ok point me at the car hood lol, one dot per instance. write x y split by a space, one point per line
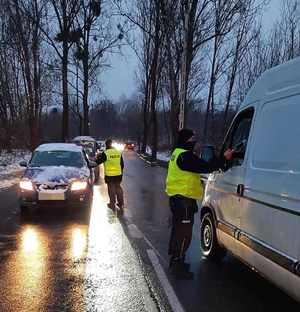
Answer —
56 174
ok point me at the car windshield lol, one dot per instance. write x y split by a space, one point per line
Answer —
57 158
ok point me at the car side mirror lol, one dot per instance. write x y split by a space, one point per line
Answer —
92 164
23 163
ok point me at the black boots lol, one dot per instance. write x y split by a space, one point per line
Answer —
120 209
111 206
180 269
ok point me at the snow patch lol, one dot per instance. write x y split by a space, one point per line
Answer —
83 138
10 170
57 174
165 155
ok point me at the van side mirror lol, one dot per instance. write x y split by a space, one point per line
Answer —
23 163
240 147
208 153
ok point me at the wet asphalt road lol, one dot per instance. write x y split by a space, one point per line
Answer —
66 260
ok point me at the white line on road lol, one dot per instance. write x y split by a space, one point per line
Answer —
170 293
156 251
134 231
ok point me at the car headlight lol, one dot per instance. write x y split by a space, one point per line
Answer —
26 185
78 186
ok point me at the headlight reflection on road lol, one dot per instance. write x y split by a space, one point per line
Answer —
99 227
31 264
102 255
115 280
30 241
78 243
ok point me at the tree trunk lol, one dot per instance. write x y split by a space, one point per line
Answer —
153 82
211 91
65 118
86 128
145 117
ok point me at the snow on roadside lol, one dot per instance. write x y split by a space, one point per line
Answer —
10 170
165 156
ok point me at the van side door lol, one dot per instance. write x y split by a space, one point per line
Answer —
228 185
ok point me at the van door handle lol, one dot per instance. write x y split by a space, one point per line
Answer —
240 189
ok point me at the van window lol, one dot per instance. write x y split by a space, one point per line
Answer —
276 139
237 138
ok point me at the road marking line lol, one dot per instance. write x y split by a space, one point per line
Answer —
132 226
170 293
128 213
134 231
156 251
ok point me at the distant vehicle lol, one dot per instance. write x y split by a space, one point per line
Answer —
57 174
251 205
92 149
129 146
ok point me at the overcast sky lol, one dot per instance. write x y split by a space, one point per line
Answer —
120 81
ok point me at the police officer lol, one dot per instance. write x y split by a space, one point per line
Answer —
113 170
184 188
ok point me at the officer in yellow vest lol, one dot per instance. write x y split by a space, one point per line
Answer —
113 171
184 188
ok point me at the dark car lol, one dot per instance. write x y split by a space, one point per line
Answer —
129 146
92 150
57 174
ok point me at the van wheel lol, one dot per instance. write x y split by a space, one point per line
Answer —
209 244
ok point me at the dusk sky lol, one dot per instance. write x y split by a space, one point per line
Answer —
120 80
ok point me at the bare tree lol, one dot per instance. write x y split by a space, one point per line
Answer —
96 38
26 38
62 19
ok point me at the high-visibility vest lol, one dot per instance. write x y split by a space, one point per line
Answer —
181 182
112 165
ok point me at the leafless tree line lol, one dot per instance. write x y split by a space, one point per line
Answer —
200 55
51 53
203 56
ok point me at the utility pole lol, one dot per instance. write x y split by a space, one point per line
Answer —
183 75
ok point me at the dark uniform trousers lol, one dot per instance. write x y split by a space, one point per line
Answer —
115 191
183 210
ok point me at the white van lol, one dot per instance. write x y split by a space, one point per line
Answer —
251 206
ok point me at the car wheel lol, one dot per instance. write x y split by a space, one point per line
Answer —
209 243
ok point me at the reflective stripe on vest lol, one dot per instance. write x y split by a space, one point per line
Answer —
181 182
112 165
